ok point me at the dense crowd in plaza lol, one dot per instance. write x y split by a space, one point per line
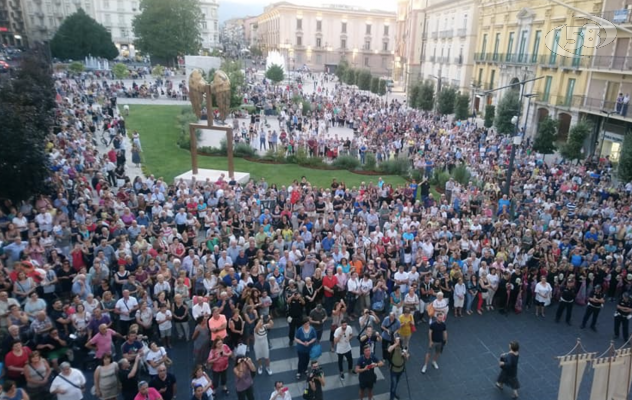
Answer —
110 270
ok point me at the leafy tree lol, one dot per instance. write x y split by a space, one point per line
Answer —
382 88
341 69
26 111
508 107
364 80
275 73
462 106
350 76
446 100
544 142
255 51
120 71
490 113
158 71
33 88
236 76
413 96
625 160
166 28
76 67
572 149
425 99
375 85
80 36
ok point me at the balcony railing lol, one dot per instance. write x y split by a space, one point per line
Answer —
434 35
461 32
447 33
581 102
621 16
458 60
424 36
431 59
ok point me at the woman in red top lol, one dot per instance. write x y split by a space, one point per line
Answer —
329 281
218 359
15 360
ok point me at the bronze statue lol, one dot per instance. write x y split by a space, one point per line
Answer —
220 87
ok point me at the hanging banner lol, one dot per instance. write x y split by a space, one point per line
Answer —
605 377
622 376
573 368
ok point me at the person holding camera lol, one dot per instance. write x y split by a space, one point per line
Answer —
389 326
365 368
315 382
398 357
342 340
509 369
280 392
369 338
262 350
437 339
244 370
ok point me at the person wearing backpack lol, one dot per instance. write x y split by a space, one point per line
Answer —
398 357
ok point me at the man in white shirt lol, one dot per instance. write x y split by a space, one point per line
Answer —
280 392
200 308
163 319
366 285
126 308
69 384
353 292
342 341
401 279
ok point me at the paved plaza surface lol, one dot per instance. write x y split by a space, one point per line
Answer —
467 369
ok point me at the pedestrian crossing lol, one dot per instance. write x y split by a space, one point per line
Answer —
284 365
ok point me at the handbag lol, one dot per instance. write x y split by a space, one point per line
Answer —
315 352
413 328
378 306
431 310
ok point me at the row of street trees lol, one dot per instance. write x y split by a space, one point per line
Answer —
362 78
164 29
449 101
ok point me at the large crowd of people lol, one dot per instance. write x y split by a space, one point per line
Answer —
111 270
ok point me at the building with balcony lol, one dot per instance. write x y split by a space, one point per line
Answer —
608 74
43 18
12 25
251 25
448 40
409 29
515 43
117 17
320 37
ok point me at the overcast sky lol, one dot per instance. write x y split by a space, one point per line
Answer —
240 8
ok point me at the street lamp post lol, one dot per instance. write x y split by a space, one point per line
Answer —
603 132
526 118
515 120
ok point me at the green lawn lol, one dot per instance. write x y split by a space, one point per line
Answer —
162 157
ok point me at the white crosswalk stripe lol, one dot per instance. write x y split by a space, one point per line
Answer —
288 364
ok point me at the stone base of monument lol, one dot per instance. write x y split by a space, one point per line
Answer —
212 175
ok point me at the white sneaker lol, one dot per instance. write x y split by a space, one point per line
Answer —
268 370
423 369
434 364
260 370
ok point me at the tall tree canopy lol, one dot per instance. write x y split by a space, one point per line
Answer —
80 36
544 142
507 108
26 112
275 73
166 28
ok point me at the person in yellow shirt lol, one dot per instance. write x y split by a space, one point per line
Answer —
407 322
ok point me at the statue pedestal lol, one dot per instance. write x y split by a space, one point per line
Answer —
212 175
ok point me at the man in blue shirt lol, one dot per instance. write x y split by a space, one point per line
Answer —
181 220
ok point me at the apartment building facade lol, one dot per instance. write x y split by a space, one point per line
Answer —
43 18
518 41
320 37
